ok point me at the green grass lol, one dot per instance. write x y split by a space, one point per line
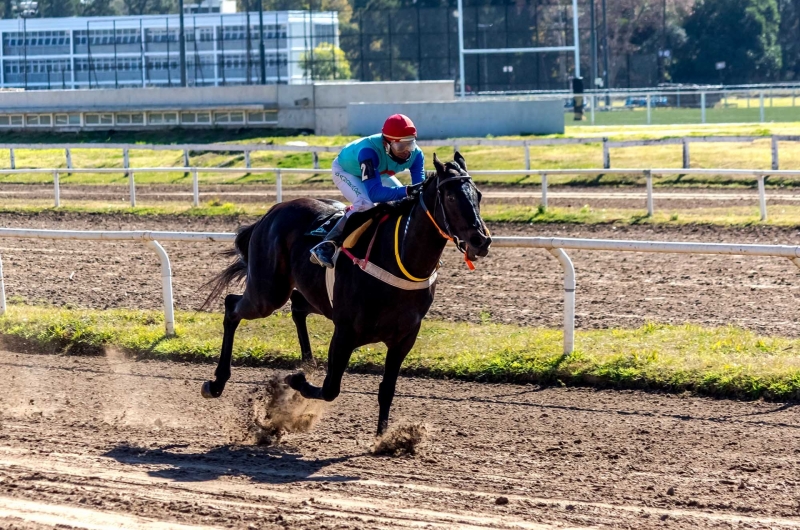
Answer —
675 116
722 361
751 156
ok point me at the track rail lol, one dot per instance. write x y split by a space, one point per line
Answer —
555 246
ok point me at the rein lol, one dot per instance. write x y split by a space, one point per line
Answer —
414 283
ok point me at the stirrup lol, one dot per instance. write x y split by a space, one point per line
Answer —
316 259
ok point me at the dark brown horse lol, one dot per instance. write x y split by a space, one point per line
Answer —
274 260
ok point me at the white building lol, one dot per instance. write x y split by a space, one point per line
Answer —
108 52
210 6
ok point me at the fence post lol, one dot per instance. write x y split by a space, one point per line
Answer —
186 161
606 155
56 189
195 188
247 163
527 159
686 161
544 190
68 154
648 175
761 105
702 107
775 159
132 188
592 103
166 287
13 158
647 99
126 159
315 157
569 298
762 197
2 290
278 186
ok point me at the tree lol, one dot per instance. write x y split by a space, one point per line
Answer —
325 63
741 33
150 7
57 8
97 8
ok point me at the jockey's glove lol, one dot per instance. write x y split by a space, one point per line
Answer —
414 190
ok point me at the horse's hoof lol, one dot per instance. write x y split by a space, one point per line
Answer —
206 392
295 381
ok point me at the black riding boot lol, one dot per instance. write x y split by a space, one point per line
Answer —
323 253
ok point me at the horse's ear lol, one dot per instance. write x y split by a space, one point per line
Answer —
438 165
460 160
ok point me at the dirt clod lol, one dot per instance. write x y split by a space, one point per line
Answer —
403 439
671 491
501 501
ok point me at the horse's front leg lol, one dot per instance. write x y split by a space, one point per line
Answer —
394 360
341 348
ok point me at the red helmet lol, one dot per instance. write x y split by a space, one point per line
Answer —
398 126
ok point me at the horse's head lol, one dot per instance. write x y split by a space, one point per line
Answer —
458 207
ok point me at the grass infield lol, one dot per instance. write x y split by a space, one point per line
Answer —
755 155
724 362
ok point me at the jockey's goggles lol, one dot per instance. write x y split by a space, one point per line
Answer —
403 147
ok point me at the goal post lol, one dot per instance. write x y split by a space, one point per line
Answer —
575 48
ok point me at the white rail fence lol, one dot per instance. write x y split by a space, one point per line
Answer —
150 238
556 246
760 175
248 149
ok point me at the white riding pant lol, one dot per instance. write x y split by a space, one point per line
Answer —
354 189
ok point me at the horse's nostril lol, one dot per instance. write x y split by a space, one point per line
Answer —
476 241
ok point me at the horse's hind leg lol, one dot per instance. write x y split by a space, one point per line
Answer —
237 308
300 311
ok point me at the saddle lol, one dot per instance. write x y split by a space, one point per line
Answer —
357 224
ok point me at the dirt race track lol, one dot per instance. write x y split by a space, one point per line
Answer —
104 442
511 286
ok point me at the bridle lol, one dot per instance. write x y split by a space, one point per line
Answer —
447 233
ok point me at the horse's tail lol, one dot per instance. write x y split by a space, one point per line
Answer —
236 272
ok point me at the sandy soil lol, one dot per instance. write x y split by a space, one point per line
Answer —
511 286
105 442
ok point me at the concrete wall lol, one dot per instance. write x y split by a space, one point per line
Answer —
452 119
138 98
321 107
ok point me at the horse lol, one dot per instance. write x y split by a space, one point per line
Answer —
406 244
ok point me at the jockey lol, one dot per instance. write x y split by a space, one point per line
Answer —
364 173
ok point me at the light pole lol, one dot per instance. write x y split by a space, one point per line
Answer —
262 54
182 39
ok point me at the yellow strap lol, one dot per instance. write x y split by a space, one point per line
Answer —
397 253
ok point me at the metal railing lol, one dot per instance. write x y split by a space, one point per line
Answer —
648 174
247 150
151 238
556 246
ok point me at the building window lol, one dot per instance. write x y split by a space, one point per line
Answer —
38 120
262 117
14 120
68 119
99 119
163 118
130 119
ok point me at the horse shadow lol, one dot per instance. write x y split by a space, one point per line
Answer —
268 465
